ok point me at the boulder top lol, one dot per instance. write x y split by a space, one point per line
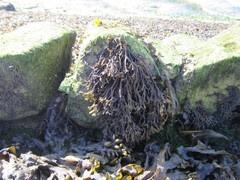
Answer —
30 36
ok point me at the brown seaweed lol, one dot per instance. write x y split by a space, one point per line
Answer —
125 96
196 162
224 115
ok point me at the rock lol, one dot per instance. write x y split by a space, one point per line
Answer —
7 6
172 50
95 41
33 62
211 79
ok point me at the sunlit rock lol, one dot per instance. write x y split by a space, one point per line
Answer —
33 61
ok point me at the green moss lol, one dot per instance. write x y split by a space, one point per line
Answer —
172 50
41 62
217 66
28 37
210 80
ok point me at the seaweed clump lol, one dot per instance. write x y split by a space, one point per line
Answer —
125 97
224 115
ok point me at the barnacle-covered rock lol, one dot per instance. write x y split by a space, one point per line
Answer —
33 62
118 84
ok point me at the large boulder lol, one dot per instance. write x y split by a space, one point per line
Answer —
208 85
201 68
33 62
205 75
75 84
215 68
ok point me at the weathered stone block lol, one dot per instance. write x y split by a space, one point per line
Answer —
215 68
33 62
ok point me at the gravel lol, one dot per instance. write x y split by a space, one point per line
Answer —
144 27
155 28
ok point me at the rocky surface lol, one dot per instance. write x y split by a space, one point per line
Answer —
33 61
205 74
214 70
172 51
66 151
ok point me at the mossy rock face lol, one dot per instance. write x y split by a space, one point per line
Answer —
96 40
33 62
214 68
172 51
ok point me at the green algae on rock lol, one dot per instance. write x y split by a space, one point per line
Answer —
33 62
216 67
172 50
213 76
92 46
